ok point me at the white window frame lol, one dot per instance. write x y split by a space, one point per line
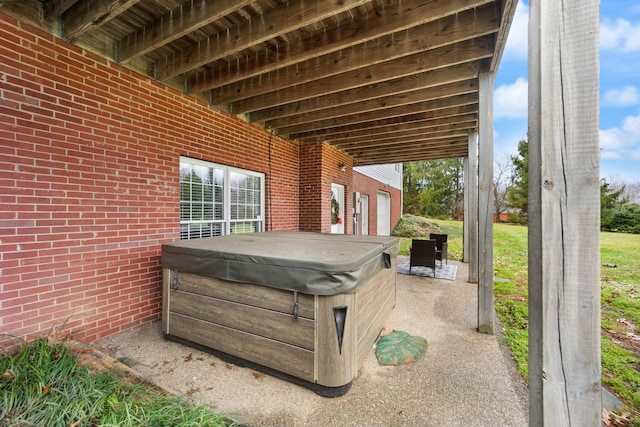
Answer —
228 225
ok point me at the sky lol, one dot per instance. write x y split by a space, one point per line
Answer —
619 90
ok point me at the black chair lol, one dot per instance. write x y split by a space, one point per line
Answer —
423 253
441 247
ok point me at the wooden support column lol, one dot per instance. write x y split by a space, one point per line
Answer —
564 213
471 216
485 204
465 211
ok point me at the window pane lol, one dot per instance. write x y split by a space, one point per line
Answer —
202 200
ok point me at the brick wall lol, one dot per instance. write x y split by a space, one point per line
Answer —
318 170
89 170
370 187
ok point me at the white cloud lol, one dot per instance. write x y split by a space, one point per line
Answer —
510 100
622 142
624 97
517 45
620 35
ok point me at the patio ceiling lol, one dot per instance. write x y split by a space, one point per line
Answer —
384 80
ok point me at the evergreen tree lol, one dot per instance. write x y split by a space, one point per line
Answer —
518 193
610 201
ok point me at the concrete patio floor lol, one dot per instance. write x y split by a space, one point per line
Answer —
465 379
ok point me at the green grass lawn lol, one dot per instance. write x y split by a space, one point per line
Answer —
620 296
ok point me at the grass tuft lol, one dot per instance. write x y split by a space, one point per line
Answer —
43 385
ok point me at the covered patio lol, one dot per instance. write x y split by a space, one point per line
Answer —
465 378
111 93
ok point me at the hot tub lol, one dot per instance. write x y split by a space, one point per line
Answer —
306 307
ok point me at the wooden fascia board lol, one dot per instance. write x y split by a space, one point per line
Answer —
275 22
376 24
507 13
372 105
427 79
410 52
175 24
86 15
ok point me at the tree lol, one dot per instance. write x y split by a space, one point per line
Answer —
633 192
610 199
630 191
518 192
433 189
501 186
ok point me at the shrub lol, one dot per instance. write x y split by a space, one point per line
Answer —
414 226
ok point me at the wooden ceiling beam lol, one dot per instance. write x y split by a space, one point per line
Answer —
444 141
410 52
405 157
468 120
425 106
439 140
395 87
455 144
86 15
275 22
442 57
330 133
378 23
408 98
55 8
175 24
456 128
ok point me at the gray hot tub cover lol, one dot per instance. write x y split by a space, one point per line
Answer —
312 263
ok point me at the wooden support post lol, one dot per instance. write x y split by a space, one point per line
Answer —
471 220
485 204
564 199
465 212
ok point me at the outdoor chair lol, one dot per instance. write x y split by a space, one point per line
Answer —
423 253
441 247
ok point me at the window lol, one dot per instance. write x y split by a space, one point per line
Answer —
217 200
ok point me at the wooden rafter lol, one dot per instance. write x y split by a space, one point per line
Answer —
174 25
420 154
278 21
447 43
423 106
425 126
441 57
385 103
333 134
413 148
87 15
420 81
412 134
378 23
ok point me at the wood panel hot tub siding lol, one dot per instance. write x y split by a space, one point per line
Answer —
256 323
